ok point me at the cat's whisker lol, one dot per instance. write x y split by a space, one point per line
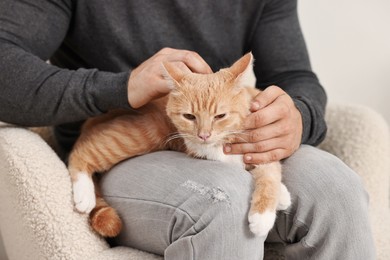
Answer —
176 136
169 139
242 139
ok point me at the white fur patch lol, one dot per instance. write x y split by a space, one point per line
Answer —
284 199
84 193
215 153
261 223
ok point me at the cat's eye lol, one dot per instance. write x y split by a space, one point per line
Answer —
190 117
220 116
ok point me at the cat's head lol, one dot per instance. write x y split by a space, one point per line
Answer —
209 108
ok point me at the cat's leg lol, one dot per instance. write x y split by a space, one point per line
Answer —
83 164
92 153
87 199
265 198
284 199
83 190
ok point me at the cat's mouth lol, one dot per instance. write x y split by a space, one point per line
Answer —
206 142
214 140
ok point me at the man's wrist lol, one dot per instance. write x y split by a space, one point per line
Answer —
109 90
305 118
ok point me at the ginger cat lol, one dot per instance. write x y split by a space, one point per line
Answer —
201 113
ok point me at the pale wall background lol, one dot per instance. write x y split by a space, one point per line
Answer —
349 46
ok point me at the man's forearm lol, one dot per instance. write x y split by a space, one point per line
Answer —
34 93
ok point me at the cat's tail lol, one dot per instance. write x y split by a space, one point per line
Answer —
104 219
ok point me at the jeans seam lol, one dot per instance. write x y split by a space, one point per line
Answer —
193 248
157 202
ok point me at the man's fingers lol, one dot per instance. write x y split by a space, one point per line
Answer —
276 129
266 97
266 157
262 146
147 81
193 61
166 50
181 66
190 58
265 116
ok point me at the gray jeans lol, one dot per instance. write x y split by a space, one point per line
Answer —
186 208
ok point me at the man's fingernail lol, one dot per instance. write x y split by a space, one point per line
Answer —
255 105
228 149
248 158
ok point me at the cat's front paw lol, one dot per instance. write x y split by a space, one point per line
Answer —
261 223
284 199
84 194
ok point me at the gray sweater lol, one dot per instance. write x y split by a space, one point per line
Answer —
94 44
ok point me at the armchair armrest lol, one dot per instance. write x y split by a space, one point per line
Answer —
37 219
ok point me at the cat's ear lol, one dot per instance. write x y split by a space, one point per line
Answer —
172 74
242 68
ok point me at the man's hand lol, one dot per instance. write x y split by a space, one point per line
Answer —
147 82
274 129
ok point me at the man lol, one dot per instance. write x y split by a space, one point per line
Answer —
108 55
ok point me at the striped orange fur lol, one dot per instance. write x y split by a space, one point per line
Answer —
206 110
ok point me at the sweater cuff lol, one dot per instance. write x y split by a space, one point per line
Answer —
306 118
110 90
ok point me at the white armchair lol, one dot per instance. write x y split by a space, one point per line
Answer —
37 220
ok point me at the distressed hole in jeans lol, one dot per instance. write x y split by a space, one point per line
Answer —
215 194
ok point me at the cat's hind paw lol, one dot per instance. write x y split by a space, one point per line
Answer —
284 199
84 194
261 223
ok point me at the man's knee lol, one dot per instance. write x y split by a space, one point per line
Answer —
323 181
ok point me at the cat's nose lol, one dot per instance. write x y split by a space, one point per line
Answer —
204 136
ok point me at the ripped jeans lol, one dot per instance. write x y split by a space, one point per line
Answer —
191 209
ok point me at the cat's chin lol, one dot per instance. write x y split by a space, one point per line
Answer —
207 143
211 142
196 146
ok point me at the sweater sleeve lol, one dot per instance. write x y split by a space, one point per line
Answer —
281 59
35 93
